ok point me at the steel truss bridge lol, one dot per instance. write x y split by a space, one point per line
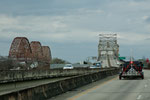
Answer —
108 50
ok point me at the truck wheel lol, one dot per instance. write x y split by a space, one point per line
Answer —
119 77
142 76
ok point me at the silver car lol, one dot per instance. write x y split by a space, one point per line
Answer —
68 66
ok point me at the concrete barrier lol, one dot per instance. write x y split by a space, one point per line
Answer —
46 91
22 75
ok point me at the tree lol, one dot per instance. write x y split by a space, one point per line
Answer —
5 63
58 61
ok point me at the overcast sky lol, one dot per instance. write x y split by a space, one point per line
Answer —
71 27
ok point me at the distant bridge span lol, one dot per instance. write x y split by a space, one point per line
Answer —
108 50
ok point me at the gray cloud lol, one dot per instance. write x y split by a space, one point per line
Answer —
147 20
147 39
75 23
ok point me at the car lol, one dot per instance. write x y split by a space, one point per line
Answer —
96 65
93 66
68 66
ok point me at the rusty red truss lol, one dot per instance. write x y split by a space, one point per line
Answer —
37 52
46 54
20 49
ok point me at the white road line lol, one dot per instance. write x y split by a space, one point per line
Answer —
139 97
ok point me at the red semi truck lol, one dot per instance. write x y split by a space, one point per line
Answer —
131 69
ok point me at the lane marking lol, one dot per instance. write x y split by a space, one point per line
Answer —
91 89
139 97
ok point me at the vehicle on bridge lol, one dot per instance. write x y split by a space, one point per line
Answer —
131 69
96 65
68 66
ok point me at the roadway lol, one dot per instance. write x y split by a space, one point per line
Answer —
108 56
104 59
112 88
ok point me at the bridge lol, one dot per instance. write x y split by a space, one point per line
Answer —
108 50
43 84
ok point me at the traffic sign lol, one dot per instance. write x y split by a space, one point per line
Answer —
122 58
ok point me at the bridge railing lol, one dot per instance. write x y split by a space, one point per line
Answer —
23 75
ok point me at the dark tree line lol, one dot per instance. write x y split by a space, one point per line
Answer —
5 63
8 64
59 61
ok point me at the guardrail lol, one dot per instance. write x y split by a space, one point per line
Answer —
46 91
22 75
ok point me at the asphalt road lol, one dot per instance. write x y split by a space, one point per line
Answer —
112 88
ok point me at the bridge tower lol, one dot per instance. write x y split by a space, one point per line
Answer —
108 45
